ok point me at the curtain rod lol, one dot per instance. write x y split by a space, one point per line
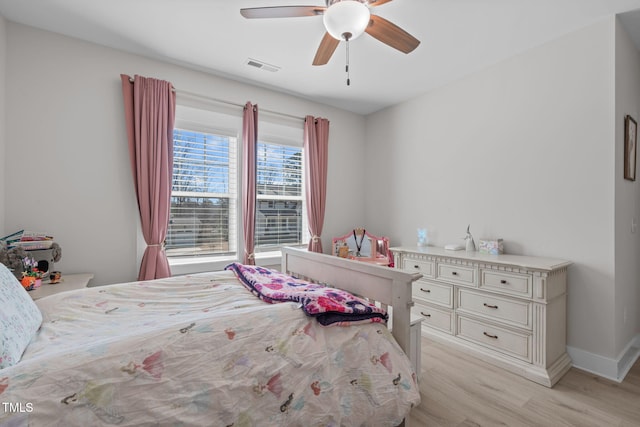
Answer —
233 104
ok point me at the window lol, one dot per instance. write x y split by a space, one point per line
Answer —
205 223
279 194
203 196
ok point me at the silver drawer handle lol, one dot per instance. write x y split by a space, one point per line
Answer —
425 290
425 314
495 337
490 306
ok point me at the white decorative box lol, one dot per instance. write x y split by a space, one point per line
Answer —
491 246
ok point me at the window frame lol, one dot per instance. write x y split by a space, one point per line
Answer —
234 184
304 232
232 126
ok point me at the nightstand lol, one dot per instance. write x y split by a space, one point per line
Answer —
69 282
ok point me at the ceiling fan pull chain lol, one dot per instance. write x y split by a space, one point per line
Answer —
347 66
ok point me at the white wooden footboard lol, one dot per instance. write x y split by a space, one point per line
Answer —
382 284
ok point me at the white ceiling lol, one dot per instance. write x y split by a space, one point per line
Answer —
458 38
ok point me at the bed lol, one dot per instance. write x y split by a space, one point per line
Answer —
202 350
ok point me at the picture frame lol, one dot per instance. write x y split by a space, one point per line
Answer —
630 147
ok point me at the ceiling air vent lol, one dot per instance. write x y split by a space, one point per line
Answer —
262 65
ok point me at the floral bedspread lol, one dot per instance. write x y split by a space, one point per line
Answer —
329 306
200 350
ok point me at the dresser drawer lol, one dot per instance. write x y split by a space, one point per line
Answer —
426 268
457 274
435 293
507 310
434 318
507 283
516 344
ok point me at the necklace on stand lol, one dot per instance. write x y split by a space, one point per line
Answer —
355 239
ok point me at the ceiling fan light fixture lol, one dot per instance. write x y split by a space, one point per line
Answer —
347 19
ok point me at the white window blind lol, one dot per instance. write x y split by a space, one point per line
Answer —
279 196
203 218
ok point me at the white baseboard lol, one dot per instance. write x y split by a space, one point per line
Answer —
614 369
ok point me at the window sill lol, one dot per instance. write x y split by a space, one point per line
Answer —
182 266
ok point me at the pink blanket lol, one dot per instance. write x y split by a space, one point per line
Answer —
329 305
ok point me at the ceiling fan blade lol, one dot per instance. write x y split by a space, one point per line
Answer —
327 46
377 2
392 35
282 11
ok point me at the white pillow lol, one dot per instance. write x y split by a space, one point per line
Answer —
20 318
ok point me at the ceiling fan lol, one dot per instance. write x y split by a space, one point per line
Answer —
343 20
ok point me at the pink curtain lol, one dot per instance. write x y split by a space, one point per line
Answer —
150 107
249 141
316 152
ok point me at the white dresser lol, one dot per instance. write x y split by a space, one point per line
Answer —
508 310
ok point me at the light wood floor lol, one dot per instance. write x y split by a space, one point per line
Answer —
458 390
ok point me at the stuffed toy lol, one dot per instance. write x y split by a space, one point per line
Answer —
13 257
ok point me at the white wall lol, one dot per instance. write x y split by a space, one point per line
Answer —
627 202
3 160
66 139
523 150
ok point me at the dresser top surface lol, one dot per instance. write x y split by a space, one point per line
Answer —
530 262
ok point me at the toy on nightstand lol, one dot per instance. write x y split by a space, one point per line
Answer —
38 247
55 277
